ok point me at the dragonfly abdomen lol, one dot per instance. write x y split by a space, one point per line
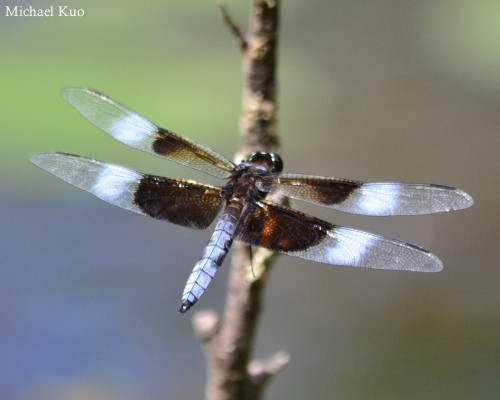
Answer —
213 255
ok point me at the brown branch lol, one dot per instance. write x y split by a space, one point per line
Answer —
258 121
228 342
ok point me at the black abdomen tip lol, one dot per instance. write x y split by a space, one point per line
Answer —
185 306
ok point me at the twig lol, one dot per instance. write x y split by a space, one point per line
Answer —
235 30
228 342
261 372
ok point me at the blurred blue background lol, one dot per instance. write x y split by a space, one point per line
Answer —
371 90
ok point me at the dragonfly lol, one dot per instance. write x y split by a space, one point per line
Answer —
246 215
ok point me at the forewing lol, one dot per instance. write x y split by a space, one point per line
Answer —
181 202
377 198
136 131
283 230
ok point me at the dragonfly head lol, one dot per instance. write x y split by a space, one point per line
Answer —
271 161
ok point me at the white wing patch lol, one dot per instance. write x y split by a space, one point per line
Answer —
348 250
111 181
132 130
378 199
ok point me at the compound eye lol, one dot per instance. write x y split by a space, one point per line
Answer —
271 161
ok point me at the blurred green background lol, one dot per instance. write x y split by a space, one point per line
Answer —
371 90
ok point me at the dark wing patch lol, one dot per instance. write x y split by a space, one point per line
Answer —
181 202
279 228
322 191
186 152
